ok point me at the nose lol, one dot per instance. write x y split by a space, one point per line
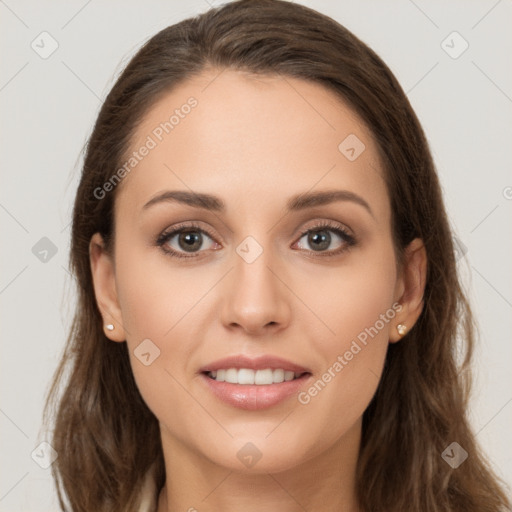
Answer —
256 299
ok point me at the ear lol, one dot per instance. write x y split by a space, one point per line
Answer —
410 288
104 282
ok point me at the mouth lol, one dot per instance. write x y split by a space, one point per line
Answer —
253 383
249 377
253 390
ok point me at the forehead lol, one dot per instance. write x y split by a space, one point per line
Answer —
250 138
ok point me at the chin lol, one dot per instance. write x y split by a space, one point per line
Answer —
253 457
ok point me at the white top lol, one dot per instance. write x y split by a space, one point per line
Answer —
148 496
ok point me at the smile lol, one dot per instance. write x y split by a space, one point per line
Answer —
243 394
247 376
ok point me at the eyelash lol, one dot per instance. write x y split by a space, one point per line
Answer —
349 240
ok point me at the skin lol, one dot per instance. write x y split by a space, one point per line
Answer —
254 142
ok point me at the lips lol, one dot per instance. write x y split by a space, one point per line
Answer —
254 397
254 363
249 395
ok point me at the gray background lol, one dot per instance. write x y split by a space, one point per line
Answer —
48 109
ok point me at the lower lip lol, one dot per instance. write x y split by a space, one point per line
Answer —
253 397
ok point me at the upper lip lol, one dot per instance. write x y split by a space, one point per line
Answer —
253 363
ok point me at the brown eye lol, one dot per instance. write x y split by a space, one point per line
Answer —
185 239
321 238
190 241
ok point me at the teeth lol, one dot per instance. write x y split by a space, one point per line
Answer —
246 376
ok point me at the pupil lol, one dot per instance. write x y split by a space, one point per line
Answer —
321 239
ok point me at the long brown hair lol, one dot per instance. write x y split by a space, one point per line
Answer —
98 415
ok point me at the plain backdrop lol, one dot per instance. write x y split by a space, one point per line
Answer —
48 107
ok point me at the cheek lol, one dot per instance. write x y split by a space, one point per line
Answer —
358 307
352 298
154 295
164 311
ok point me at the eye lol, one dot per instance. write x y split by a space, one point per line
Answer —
188 240
185 239
320 239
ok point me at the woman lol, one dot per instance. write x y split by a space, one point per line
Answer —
268 297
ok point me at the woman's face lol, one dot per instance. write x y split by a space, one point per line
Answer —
268 265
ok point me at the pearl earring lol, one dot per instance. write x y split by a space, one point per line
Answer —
401 328
109 327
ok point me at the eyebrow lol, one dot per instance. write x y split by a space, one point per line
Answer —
295 203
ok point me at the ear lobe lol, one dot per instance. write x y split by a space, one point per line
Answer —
412 285
104 282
